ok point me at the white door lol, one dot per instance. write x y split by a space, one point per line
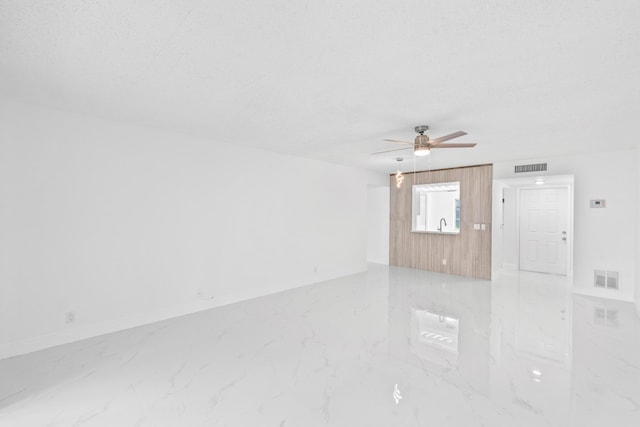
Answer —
544 222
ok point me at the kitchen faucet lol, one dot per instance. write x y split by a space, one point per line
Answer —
445 223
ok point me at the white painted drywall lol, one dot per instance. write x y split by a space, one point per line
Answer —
637 296
378 224
511 259
497 234
606 238
124 225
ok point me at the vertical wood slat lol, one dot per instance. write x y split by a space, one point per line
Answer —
468 253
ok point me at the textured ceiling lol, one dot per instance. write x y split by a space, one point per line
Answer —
330 80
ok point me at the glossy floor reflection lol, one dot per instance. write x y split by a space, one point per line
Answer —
391 347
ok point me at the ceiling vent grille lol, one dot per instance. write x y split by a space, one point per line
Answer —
538 167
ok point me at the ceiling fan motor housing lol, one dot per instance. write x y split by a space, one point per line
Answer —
421 141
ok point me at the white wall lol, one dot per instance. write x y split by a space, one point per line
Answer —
638 232
497 234
603 238
378 224
125 225
511 259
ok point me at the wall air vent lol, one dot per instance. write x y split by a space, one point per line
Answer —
538 167
612 280
600 279
606 279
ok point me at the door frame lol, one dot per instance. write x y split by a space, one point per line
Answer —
503 244
569 188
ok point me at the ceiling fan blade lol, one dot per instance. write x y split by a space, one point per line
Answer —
389 151
453 145
436 141
395 140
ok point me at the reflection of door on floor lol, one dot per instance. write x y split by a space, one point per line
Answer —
544 222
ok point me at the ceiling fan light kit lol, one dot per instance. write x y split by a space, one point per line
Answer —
421 151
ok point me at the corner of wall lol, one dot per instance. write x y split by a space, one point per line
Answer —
131 230
378 224
637 215
497 222
597 175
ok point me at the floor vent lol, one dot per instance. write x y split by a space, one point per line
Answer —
606 279
538 167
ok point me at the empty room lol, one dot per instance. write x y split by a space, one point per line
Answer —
241 213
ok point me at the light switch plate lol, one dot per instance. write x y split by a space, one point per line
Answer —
598 203
476 226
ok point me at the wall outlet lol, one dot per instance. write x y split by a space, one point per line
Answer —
444 261
70 317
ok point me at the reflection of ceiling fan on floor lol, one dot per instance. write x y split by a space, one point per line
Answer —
422 145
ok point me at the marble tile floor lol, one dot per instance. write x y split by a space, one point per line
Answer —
389 347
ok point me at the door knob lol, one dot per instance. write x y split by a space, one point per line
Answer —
564 238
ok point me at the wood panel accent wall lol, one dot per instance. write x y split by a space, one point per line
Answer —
468 253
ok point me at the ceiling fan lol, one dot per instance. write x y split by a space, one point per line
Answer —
422 145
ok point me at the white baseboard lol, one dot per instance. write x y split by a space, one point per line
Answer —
603 293
81 332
